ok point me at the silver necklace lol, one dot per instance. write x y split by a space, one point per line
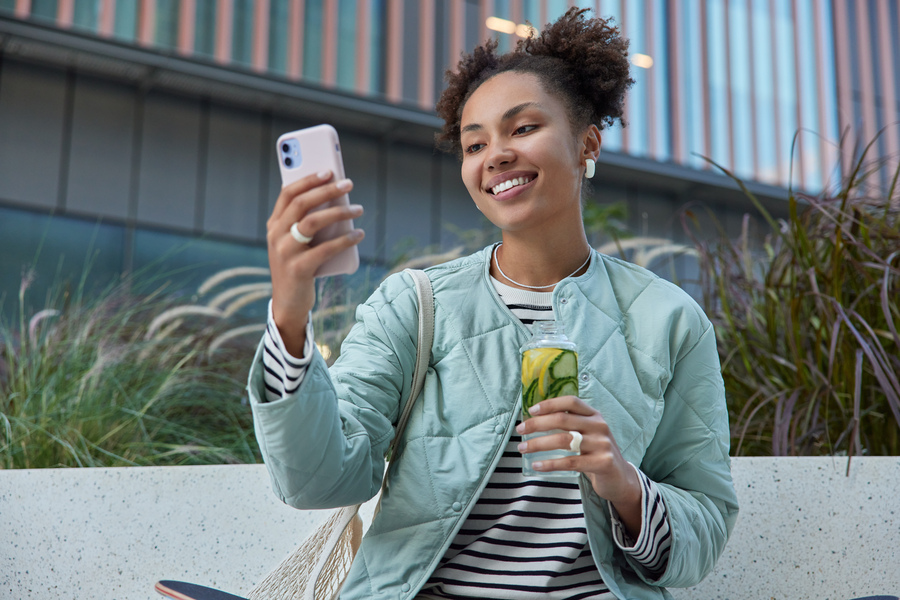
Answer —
534 287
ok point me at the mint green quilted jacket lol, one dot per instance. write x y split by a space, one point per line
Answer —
648 363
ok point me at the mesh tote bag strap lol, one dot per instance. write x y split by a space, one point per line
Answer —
317 569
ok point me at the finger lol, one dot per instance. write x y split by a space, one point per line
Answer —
568 463
302 185
321 253
569 404
544 443
318 220
566 421
313 200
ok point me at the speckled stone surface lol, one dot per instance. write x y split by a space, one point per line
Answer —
807 530
112 533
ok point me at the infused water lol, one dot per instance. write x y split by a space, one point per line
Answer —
549 370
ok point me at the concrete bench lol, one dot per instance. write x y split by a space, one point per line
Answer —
805 531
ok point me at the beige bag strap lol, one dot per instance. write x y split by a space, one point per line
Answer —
425 295
424 341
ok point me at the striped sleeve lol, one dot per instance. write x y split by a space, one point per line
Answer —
283 372
651 548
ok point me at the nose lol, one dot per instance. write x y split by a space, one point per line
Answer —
499 155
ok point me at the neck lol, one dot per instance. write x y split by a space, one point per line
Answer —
539 262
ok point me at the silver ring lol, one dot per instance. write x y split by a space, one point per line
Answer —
295 233
575 445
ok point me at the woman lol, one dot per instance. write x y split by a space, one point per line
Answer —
654 504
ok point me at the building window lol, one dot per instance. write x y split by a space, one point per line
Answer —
167 23
205 35
86 14
279 14
242 33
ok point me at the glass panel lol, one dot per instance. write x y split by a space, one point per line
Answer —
376 49
473 26
86 14
346 44
279 13
764 92
312 41
205 35
242 32
556 9
507 41
50 250
638 105
741 89
659 72
812 161
718 83
44 9
612 136
167 23
409 56
787 88
189 261
854 135
828 104
694 115
882 118
125 17
440 32
895 45
531 12
7 5
53 253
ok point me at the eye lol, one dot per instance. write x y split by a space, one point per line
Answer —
525 129
473 148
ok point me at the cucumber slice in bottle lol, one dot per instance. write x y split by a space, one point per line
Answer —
565 365
563 387
548 373
528 399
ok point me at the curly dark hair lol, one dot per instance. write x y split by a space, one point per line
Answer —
582 61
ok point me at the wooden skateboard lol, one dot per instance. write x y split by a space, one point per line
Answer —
179 590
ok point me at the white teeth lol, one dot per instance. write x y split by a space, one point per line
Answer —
502 187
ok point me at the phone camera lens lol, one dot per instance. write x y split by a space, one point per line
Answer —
288 162
285 148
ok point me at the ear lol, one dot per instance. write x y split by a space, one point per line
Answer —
591 143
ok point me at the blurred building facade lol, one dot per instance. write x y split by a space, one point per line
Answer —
133 126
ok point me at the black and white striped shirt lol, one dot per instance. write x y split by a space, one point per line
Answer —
525 537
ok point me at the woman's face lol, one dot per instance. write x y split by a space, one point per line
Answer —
522 164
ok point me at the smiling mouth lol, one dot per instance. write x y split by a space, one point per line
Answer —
510 183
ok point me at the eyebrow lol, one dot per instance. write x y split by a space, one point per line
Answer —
509 114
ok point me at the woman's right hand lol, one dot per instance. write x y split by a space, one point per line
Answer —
293 265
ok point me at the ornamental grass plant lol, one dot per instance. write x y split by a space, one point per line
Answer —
808 325
125 377
143 373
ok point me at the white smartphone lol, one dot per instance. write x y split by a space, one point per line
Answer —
312 150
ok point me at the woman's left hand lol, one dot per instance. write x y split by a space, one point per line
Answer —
611 476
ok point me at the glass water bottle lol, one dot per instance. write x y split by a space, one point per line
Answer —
549 370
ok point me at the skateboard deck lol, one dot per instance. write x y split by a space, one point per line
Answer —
180 590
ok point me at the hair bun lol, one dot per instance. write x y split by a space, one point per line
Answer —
583 60
593 48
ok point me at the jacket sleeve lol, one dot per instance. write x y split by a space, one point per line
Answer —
688 458
324 444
